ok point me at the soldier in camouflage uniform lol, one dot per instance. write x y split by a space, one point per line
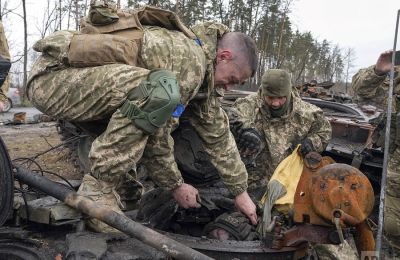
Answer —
281 120
371 86
216 59
5 58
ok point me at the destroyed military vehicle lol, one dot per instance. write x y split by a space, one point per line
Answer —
44 228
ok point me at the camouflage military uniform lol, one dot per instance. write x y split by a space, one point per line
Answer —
4 52
372 89
85 94
280 134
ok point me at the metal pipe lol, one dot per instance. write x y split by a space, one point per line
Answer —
386 151
108 216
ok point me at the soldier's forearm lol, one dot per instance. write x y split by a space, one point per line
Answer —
366 81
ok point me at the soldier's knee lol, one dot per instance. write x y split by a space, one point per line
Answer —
154 101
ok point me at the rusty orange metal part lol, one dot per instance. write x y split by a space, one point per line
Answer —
329 191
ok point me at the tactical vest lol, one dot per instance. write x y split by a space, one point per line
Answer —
109 35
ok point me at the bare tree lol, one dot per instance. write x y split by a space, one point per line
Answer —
69 13
5 9
349 59
177 7
76 15
49 21
25 48
60 14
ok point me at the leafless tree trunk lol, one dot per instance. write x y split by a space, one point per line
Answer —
69 13
49 22
5 9
278 56
303 66
177 7
86 6
76 15
25 48
254 21
284 19
349 58
60 13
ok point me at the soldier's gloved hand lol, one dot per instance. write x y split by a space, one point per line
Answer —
306 147
245 205
249 142
186 195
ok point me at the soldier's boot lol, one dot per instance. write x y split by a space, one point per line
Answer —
103 193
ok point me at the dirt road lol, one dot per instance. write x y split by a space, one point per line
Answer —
29 140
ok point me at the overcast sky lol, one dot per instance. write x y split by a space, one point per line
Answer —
367 26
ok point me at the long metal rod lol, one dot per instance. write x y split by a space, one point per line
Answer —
108 216
387 143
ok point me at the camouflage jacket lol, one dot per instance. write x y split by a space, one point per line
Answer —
303 120
210 122
194 67
370 88
4 52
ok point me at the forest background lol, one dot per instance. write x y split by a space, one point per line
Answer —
268 22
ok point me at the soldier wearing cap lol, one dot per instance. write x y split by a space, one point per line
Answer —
273 121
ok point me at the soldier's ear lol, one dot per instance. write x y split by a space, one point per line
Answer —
224 54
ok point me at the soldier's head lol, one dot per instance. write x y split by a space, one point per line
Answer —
276 91
236 59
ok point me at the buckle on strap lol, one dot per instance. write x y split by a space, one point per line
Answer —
131 110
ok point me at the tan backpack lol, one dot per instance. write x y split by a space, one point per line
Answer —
109 35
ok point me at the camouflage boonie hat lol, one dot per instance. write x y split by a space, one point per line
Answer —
276 83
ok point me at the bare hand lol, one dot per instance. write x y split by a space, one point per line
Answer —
384 63
245 205
186 195
1 106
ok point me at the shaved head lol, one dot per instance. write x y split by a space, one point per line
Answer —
243 48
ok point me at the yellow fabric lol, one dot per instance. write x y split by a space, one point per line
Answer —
288 174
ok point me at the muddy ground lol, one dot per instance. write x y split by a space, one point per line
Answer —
30 140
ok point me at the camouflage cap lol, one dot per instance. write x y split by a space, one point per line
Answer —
276 83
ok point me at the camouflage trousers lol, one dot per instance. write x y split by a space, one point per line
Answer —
392 199
87 94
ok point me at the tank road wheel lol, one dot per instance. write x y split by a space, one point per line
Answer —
6 183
